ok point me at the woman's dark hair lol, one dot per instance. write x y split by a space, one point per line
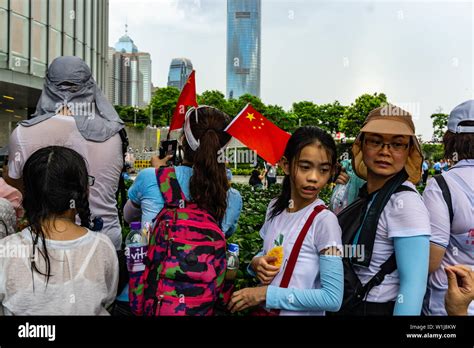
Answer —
459 146
301 138
55 180
209 184
255 178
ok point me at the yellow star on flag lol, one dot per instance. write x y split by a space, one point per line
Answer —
250 116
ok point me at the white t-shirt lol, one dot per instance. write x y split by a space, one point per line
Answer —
458 239
284 230
104 162
405 215
84 276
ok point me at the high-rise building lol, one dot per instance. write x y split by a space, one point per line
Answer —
180 69
32 34
130 81
243 47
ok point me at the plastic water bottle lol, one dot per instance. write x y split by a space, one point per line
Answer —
232 261
136 245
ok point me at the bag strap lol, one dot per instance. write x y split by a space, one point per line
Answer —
121 190
386 268
443 185
169 187
297 247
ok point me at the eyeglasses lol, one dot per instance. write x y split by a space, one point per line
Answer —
379 145
91 180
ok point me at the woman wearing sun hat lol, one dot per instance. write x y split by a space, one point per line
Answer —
452 240
387 154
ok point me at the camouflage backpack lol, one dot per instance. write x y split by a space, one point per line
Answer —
186 258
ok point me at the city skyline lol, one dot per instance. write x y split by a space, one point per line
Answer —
418 53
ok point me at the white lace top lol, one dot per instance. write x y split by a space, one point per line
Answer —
84 276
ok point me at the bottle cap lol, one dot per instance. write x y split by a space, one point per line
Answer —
135 225
233 248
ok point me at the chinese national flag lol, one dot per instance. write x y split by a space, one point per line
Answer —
186 98
259 134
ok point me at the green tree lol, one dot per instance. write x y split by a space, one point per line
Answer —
243 100
213 98
127 114
329 116
307 112
276 114
356 113
164 102
440 122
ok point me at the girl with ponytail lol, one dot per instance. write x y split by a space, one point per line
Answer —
202 176
60 267
298 227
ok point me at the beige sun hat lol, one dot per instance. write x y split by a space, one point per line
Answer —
389 119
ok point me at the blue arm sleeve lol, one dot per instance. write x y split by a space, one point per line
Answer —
412 255
249 267
327 298
232 213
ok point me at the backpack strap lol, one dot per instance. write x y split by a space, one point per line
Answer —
121 190
386 268
169 187
443 185
295 251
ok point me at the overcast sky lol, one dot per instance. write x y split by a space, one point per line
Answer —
419 53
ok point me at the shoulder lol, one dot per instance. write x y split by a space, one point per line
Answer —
410 198
233 195
103 241
146 174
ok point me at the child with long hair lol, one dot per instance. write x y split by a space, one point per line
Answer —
298 223
60 268
202 178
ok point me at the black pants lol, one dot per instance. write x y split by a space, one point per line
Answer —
425 177
271 180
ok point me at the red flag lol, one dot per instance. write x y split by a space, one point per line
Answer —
186 98
259 134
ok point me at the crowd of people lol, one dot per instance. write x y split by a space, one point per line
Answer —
388 251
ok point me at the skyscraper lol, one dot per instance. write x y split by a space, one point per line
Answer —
243 47
130 80
180 69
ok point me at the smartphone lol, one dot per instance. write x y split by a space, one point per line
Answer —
169 147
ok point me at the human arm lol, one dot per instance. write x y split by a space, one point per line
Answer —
13 172
111 273
460 291
412 255
439 221
131 212
327 298
231 216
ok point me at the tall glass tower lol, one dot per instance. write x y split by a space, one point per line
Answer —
243 47
180 69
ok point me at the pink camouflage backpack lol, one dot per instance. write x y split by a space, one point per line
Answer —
186 258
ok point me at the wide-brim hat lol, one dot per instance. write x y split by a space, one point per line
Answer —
389 119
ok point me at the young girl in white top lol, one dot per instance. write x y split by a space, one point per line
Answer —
55 267
316 283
